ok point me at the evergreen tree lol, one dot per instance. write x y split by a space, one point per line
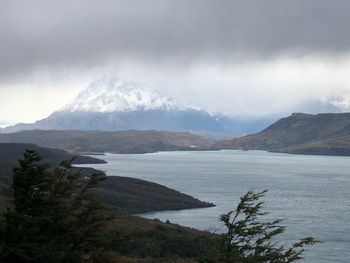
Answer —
54 217
249 240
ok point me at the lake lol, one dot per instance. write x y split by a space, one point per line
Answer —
312 193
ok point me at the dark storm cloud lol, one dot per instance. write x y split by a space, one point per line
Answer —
45 34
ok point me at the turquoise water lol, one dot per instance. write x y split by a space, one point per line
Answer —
312 193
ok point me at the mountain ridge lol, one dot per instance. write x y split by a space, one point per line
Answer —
320 134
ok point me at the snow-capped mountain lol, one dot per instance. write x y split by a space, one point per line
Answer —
111 104
114 95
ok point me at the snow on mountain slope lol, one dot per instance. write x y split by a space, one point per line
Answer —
113 95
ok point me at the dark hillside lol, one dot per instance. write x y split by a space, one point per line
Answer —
128 195
11 152
115 142
133 196
326 134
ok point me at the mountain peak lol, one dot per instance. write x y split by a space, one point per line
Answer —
110 94
112 104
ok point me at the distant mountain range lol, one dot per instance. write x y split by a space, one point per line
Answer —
109 104
323 134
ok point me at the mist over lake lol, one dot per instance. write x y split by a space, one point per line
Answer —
310 192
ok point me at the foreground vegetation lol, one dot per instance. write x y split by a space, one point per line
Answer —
54 217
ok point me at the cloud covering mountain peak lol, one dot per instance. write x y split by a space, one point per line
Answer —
111 94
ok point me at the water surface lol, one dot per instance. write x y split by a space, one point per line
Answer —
312 193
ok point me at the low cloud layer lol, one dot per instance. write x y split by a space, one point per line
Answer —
273 52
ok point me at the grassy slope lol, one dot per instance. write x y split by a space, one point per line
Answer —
327 134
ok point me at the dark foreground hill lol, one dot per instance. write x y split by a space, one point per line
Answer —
321 134
137 239
135 196
115 142
124 194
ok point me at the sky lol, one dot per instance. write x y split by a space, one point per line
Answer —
238 57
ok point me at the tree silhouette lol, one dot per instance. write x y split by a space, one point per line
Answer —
250 240
54 217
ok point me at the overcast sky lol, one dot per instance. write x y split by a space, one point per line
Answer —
239 57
